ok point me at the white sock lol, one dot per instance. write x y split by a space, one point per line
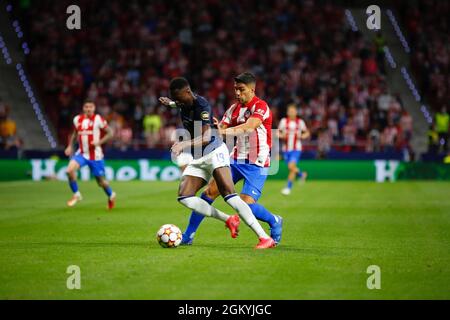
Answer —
78 194
246 214
201 206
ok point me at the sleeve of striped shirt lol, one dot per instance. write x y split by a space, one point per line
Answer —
282 125
260 112
302 126
75 122
103 124
226 120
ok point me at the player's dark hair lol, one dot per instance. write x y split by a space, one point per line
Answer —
246 78
178 84
89 101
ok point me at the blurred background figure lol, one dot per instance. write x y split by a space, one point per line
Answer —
8 129
442 120
152 124
433 140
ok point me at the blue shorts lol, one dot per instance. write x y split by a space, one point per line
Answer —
254 178
292 156
97 166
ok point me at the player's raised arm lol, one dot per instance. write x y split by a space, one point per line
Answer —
250 126
200 141
167 102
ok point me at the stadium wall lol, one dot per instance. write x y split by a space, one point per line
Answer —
164 170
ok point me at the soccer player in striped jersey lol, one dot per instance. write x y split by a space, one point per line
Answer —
91 131
292 131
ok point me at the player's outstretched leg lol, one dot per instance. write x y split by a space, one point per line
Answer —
190 185
72 176
194 222
293 172
302 175
202 207
251 192
225 184
102 183
210 194
275 222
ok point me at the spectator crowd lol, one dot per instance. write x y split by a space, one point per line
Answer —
427 26
302 52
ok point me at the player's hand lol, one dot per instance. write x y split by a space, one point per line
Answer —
96 143
216 121
166 101
177 148
69 151
221 131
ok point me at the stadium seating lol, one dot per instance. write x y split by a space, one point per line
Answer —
123 59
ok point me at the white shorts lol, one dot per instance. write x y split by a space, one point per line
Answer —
205 166
184 159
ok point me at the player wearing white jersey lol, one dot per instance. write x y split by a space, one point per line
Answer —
91 131
292 131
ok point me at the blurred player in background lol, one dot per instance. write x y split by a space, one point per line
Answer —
250 120
92 132
211 159
292 131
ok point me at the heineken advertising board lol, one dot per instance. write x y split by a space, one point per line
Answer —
162 170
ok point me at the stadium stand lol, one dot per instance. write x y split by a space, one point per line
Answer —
123 60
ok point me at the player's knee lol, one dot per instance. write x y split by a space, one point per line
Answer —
102 182
247 199
70 172
227 191
211 194
182 193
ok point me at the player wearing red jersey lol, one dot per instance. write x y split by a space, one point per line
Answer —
292 131
91 131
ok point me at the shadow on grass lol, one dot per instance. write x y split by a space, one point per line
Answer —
149 245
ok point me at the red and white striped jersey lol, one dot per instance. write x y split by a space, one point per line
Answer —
254 147
293 130
90 129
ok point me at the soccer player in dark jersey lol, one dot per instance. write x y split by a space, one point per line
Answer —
250 120
211 160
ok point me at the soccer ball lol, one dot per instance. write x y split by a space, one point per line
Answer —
169 236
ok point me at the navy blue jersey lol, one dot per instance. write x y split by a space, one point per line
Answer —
199 114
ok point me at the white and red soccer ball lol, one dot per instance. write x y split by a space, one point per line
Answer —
169 236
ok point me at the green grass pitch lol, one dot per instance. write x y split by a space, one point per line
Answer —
333 232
